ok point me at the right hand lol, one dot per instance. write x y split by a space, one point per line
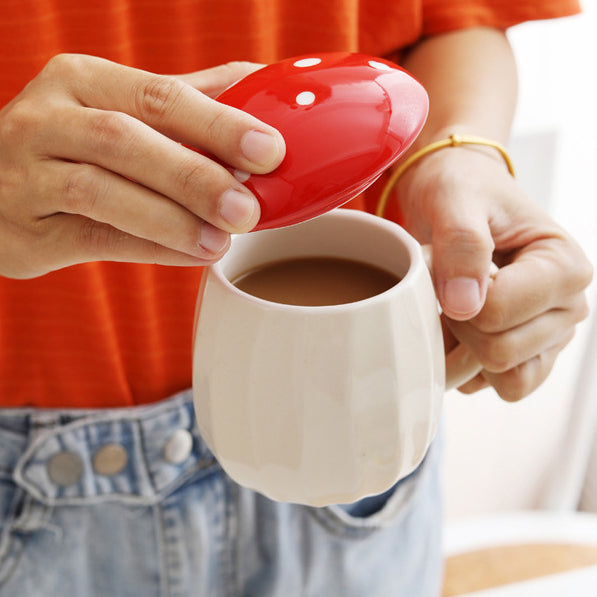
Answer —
463 202
92 167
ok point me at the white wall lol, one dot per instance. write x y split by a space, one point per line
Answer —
505 456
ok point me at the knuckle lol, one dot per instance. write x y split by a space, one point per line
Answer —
516 383
573 263
109 132
23 249
191 178
65 65
91 235
80 190
588 272
17 121
493 318
584 310
583 271
463 238
497 354
98 239
240 68
567 337
235 65
579 309
156 98
216 124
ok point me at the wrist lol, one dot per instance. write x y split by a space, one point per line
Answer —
453 142
499 136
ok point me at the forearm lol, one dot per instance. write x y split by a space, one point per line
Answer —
470 76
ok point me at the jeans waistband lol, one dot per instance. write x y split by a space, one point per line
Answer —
136 454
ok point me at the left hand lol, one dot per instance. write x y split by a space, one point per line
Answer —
93 167
464 202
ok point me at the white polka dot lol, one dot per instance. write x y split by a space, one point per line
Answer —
307 62
380 65
241 175
305 98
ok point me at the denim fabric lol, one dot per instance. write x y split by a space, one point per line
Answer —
158 528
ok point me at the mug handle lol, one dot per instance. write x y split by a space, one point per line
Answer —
461 364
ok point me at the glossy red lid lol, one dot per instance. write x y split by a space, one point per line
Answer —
345 118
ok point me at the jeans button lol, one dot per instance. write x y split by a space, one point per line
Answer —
179 446
65 468
110 460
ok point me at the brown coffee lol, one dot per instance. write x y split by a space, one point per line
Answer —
316 281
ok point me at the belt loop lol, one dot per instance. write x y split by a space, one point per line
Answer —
33 515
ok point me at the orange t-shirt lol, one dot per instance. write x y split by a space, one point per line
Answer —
109 334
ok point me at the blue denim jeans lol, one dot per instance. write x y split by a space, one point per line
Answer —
149 517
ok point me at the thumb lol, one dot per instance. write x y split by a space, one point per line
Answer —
462 253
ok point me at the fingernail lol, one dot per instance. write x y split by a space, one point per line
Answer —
212 239
462 296
260 148
237 208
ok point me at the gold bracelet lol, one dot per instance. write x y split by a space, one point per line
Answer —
451 141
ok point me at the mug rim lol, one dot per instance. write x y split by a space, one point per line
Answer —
409 242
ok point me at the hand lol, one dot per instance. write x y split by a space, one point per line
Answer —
467 205
93 167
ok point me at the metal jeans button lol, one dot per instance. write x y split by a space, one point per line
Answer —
65 468
110 459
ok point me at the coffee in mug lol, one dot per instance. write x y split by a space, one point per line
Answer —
316 281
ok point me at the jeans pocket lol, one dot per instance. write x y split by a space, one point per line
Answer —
360 519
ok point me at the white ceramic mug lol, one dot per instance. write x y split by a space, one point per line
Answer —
321 405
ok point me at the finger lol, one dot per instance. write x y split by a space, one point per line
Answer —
462 251
174 108
212 81
73 239
520 381
474 385
502 351
122 144
547 274
106 197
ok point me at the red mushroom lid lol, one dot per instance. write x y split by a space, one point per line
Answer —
344 117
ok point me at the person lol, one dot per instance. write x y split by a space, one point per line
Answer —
106 219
